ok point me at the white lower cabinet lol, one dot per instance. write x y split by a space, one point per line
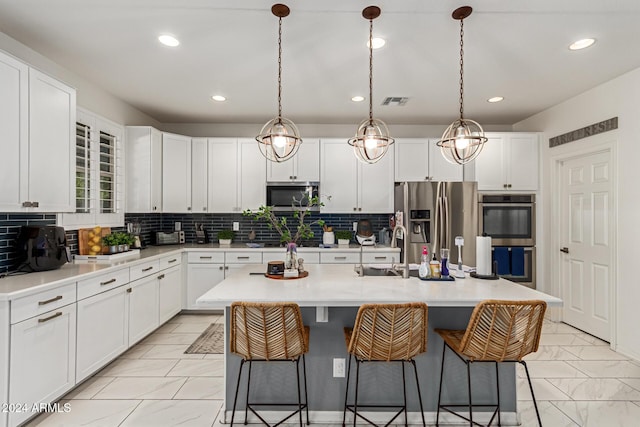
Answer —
143 307
43 359
103 330
201 278
169 293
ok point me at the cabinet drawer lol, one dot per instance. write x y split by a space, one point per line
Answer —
34 305
205 257
170 261
380 257
104 282
333 257
243 257
142 270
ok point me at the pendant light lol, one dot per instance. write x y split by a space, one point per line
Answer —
463 140
279 138
372 137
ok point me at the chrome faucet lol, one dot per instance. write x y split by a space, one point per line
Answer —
360 268
405 248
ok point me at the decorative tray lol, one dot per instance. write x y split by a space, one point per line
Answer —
281 277
440 279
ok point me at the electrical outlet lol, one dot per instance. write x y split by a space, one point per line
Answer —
177 226
236 226
355 226
338 367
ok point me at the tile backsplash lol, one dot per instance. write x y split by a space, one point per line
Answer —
212 223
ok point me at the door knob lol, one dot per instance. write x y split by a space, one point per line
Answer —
565 250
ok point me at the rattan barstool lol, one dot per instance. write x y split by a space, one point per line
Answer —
386 333
269 332
498 331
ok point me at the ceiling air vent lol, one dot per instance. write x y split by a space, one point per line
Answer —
395 101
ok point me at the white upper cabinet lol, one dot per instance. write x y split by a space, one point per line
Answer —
304 166
419 159
508 162
37 122
223 174
176 173
348 186
144 169
199 168
253 175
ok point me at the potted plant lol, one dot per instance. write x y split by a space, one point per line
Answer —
225 236
302 230
343 236
111 242
127 240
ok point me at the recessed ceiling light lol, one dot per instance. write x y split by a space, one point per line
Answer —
496 99
168 40
378 42
218 98
581 44
357 98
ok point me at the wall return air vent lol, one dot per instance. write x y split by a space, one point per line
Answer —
395 101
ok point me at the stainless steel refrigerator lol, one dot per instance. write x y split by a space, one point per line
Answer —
435 213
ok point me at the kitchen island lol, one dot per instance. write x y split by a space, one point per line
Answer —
330 297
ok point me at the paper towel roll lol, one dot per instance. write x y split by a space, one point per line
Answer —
483 255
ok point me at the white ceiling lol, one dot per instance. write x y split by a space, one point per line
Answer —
513 48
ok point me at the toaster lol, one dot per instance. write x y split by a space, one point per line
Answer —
168 238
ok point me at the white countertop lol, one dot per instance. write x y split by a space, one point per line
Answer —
331 285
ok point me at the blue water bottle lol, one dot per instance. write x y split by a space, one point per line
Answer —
444 262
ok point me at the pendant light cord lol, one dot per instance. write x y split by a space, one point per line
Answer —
461 68
371 71
279 68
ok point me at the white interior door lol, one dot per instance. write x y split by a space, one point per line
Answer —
587 212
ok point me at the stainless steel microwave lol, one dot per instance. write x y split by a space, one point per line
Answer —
284 196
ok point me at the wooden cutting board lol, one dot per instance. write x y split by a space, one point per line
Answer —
86 240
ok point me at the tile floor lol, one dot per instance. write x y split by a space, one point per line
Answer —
578 381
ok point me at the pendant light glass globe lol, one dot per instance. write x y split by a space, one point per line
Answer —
279 138
463 140
372 139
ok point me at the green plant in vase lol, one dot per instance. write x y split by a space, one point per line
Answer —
343 236
111 241
226 236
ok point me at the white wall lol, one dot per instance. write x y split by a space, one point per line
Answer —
89 95
620 98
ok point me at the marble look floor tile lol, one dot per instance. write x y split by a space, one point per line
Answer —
89 388
194 328
607 369
183 413
214 356
196 318
593 352
551 352
601 413
141 388
591 339
171 339
94 413
561 339
136 351
543 389
198 368
170 351
633 382
138 368
549 369
557 328
202 388
167 328
595 389
550 415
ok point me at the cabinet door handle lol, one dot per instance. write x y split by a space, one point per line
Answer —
380 257
107 282
339 257
188 208
354 209
53 316
204 208
564 250
242 257
221 268
35 204
160 277
226 267
206 257
59 297
26 204
509 185
147 269
128 290
172 260
359 209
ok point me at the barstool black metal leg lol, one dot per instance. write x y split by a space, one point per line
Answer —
444 348
235 399
498 388
355 402
404 394
535 405
469 386
306 397
246 408
299 396
415 371
346 394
